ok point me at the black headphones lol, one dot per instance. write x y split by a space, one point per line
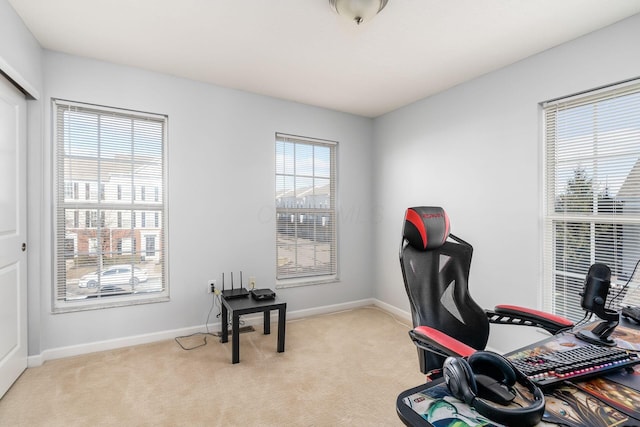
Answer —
487 375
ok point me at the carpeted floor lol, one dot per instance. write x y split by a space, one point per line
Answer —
340 369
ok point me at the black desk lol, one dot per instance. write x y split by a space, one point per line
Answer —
247 305
614 398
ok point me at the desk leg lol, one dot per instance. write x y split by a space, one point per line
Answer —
282 319
224 333
267 322
235 345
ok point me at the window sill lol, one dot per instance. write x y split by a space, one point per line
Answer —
309 281
82 304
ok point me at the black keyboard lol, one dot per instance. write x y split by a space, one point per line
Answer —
578 363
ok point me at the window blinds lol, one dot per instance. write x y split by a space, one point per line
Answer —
306 243
110 216
592 195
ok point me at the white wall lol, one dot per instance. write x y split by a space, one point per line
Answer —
221 165
476 151
20 53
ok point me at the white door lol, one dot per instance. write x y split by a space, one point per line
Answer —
13 235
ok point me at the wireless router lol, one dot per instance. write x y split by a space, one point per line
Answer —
234 293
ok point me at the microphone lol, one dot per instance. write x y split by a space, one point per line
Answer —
594 296
596 288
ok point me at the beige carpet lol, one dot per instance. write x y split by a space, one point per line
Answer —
340 369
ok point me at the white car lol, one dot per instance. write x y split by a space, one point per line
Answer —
114 275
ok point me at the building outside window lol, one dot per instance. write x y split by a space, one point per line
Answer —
68 190
112 152
592 195
306 234
150 246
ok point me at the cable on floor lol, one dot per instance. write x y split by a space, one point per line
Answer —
204 334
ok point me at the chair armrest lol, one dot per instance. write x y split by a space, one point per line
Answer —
433 340
516 315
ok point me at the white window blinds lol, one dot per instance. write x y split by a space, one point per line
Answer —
306 244
592 195
106 253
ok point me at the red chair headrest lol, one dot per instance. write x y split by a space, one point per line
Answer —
426 227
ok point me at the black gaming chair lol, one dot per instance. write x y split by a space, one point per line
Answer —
446 320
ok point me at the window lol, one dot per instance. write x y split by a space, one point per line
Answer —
112 152
150 249
592 195
68 190
306 247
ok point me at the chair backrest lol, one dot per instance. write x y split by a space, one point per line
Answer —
435 267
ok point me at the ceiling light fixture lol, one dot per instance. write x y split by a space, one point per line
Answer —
358 11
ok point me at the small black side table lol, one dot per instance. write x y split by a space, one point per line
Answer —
247 305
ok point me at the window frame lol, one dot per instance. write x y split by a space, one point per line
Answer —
61 300
309 277
591 231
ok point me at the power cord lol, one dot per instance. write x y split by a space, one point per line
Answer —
204 334
585 319
625 285
215 302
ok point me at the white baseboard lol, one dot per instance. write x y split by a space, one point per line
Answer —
401 314
92 347
79 349
329 308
